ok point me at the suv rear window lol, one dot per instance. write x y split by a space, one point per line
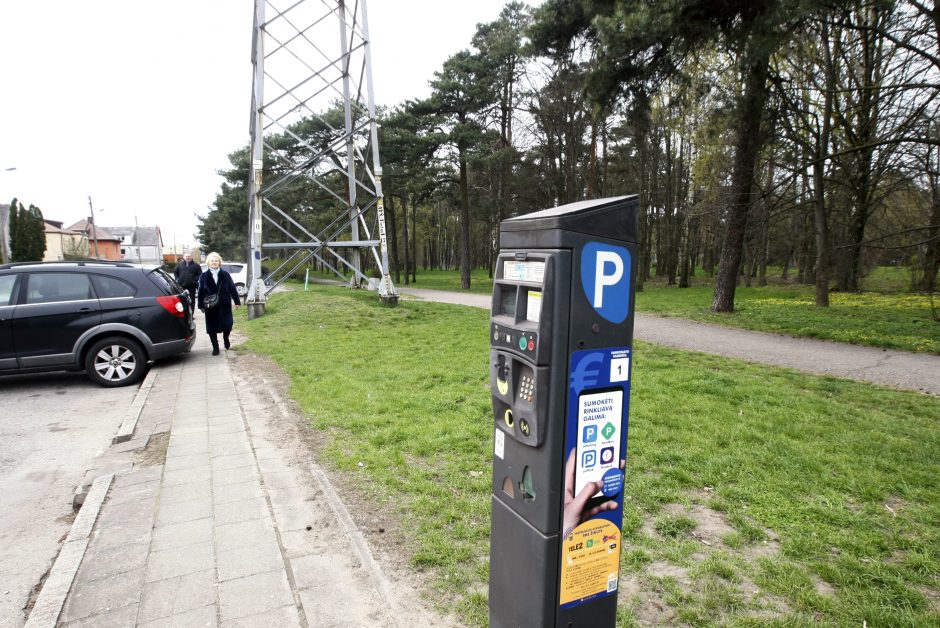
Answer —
165 282
233 268
112 287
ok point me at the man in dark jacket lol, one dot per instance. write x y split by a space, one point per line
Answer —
187 275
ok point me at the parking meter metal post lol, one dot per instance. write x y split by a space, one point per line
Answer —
561 342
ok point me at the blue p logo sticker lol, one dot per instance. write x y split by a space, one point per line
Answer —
605 277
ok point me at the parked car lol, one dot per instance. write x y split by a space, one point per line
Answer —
110 319
239 273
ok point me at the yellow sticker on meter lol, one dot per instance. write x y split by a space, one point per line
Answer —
590 560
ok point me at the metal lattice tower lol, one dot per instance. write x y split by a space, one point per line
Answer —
314 140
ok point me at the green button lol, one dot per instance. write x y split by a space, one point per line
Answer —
522 342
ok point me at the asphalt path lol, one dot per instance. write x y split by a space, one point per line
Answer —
886 367
53 426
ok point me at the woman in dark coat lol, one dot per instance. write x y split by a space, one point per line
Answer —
218 318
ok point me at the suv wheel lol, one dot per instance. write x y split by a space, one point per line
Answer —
115 361
241 289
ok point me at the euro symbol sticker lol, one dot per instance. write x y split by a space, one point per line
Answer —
605 278
583 375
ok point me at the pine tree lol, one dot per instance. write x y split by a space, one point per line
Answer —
15 231
36 234
27 233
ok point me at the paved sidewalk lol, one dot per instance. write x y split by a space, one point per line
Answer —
208 523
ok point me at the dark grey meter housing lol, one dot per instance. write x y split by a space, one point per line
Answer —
561 335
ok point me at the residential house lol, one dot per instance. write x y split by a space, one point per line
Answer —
63 242
140 245
102 244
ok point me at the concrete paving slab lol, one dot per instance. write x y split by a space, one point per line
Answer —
224 477
284 617
205 617
185 476
254 508
127 533
104 563
173 596
102 595
182 534
191 461
180 561
117 618
249 560
253 595
199 489
172 511
244 533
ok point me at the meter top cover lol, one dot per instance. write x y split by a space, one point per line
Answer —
608 218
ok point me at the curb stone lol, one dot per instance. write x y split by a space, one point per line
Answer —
51 598
359 544
126 431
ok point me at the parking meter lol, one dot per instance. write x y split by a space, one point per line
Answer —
561 337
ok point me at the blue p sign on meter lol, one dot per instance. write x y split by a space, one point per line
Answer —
605 277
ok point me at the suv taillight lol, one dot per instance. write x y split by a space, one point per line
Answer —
173 305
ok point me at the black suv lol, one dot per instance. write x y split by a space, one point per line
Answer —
109 318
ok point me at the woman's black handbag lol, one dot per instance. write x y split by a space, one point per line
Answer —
211 300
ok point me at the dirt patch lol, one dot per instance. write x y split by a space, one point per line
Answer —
154 452
662 569
895 505
710 526
644 592
769 547
647 606
823 588
933 597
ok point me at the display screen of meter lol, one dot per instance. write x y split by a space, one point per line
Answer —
599 419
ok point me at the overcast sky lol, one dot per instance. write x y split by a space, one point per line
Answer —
138 104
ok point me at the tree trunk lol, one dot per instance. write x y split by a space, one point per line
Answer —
688 259
405 236
464 216
748 148
932 256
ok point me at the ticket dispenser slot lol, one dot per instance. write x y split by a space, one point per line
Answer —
561 332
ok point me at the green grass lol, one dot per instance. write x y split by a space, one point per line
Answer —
480 282
894 321
829 491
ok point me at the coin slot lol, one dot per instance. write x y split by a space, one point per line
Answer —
507 418
508 488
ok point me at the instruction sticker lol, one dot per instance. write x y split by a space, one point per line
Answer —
500 444
532 272
599 418
534 306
